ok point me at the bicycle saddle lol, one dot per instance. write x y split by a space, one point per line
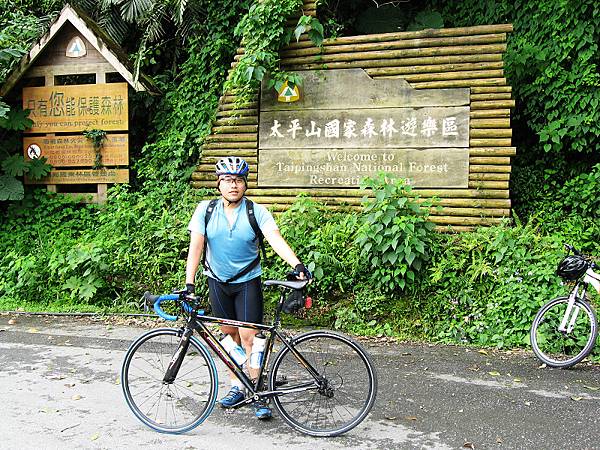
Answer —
299 284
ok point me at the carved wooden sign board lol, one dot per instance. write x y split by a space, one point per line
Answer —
71 109
432 106
347 126
77 107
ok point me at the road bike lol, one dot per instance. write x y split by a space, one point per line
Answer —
565 329
321 383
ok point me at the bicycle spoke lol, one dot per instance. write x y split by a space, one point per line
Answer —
168 407
345 393
560 346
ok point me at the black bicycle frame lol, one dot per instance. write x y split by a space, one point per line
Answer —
198 323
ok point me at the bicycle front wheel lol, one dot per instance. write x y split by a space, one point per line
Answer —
339 399
564 347
168 407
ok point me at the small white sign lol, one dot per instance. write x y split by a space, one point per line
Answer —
76 48
34 151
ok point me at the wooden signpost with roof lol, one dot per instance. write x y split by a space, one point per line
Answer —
75 81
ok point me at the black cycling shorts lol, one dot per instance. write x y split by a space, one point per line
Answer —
236 301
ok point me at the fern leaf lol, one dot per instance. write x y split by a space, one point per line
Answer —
10 188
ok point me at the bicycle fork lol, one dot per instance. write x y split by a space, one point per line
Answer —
177 358
572 312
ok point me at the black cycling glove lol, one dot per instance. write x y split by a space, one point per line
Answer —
190 288
301 268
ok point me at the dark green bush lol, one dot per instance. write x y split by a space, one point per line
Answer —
486 286
395 233
62 252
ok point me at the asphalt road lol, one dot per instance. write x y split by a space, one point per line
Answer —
59 388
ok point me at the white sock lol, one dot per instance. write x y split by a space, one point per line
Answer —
237 383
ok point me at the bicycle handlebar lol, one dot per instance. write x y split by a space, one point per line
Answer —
182 298
156 300
570 248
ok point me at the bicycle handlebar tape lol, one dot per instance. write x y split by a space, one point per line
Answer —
170 298
159 310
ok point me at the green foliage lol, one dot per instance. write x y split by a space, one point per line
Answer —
38 168
18 30
582 194
10 188
56 251
14 165
321 239
395 233
4 109
312 26
183 117
263 33
559 55
145 26
16 119
486 286
573 213
97 137
366 313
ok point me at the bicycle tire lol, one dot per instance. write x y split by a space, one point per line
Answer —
351 378
561 349
174 407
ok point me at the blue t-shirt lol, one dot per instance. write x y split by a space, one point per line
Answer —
231 248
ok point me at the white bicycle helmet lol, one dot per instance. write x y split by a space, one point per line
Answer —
232 165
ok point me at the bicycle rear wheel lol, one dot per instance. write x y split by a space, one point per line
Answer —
340 401
558 348
174 407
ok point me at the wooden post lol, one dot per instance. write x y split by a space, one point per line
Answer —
102 188
51 187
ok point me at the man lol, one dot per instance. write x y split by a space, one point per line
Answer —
232 263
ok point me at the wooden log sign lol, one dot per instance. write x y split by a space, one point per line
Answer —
347 126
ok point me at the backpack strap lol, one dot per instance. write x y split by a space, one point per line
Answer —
254 224
209 210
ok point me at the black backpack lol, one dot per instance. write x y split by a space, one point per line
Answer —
257 232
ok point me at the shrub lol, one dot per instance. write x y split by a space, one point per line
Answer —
486 286
394 234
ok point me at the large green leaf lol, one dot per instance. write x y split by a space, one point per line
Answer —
39 168
10 188
136 10
15 166
16 119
